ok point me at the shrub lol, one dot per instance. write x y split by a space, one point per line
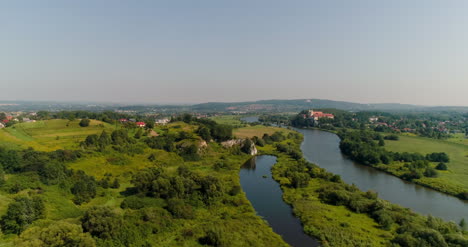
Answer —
85 122
430 172
441 166
179 209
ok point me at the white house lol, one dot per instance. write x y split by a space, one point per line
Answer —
163 121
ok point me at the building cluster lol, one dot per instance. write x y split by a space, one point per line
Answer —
316 115
162 121
403 125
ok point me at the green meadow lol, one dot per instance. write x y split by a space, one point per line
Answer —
50 135
232 215
455 179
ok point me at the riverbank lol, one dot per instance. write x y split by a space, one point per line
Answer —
453 182
353 217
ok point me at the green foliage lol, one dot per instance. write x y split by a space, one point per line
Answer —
101 222
204 133
2 176
179 209
84 122
438 157
58 234
84 187
442 166
214 237
430 172
392 137
189 153
21 213
247 146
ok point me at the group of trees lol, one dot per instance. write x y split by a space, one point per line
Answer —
184 185
50 168
21 213
365 147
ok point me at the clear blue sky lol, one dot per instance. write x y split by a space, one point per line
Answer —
211 50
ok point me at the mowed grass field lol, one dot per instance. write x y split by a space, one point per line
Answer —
257 130
50 135
457 174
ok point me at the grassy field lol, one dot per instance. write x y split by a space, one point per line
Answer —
456 178
459 138
50 135
237 218
257 130
227 119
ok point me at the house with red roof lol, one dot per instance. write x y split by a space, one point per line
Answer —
141 124
316 115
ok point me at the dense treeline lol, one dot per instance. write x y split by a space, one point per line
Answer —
363 147
406 227
438 126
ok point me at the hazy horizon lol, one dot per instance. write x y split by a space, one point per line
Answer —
189 52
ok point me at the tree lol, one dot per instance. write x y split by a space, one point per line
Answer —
101 222
149 125
58 234
187 118
91 140
381 142
115 184
299 179
2 175
85 122
462 224
104 139
84 188
247 146
204 133
430 172
441 166
21 213
139 133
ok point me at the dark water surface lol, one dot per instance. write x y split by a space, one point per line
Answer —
252 119
322 148
265 195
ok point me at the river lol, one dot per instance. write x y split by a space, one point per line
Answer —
322 148
265 195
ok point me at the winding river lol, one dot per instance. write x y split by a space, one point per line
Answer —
266 197
322 148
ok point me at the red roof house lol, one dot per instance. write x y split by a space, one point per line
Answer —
140 124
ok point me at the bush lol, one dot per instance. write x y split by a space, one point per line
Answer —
179 209
85 122
441 166
438 157
58 234
213 237
392 137
430 172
